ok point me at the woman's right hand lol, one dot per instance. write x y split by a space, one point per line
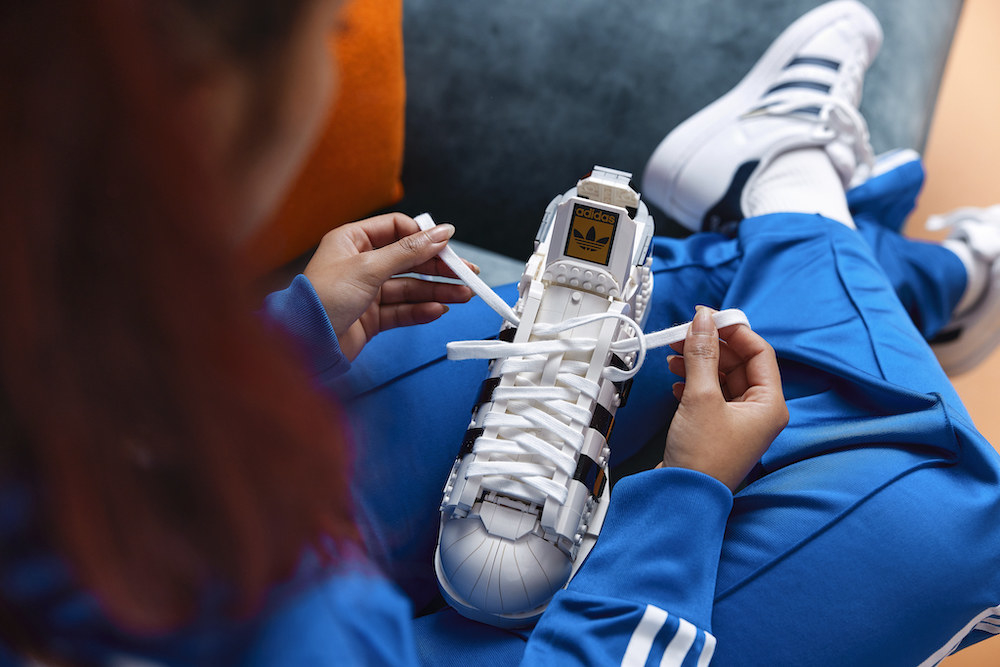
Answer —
354 273
731 404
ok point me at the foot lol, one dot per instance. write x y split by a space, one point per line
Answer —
804 92
528 492
974 331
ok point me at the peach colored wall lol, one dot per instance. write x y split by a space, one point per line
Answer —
963 169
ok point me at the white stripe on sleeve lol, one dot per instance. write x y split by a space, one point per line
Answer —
679 646
641 641
707 651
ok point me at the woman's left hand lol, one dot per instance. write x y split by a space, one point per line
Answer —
354 269
731 404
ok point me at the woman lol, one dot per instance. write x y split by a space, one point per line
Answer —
174 487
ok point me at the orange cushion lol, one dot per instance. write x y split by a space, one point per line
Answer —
356 166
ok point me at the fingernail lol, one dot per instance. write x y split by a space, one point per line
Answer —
703 322
439 233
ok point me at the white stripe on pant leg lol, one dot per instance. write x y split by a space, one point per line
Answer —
989 627
953 643
679 646
707 651
641 641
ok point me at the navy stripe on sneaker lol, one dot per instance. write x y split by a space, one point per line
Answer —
810 60
812 85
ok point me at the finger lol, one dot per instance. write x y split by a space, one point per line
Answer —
676 366
678 390
436 267
408 314
736 381
382 230
407 253
743 340
701 357
414 290
761 364
728 357
762 371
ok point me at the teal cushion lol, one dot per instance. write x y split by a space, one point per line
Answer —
509 103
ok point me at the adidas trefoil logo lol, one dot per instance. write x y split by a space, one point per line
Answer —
589 242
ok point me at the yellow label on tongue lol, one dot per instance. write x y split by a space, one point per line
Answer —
591 234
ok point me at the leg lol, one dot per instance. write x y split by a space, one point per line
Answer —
850 537
929 279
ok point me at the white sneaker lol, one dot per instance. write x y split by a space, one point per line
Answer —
803 92
528 492
974 332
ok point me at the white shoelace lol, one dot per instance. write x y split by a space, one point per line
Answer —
837 120
556 410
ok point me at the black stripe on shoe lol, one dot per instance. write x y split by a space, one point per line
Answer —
590 475
602 421
469 440
623 387
486 390
812 60
811 85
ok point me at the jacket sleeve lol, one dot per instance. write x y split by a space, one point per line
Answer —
354 618
645 593
298 311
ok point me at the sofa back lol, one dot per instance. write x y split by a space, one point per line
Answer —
509 102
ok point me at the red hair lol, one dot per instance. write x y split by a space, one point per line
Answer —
172 440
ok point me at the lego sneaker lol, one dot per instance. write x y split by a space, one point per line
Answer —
804 92
974 332
527 495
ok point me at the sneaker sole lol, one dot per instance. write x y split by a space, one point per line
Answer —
973 346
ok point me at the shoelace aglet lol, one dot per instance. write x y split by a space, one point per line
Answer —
466 275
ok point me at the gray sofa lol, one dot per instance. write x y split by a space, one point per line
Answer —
510 102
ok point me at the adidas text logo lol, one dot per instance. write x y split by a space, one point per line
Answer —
595 214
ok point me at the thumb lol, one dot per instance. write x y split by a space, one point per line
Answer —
408 252
701 356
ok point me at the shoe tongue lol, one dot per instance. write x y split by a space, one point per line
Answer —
591 247
593 234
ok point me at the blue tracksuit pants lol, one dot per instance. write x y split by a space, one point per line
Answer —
869 532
